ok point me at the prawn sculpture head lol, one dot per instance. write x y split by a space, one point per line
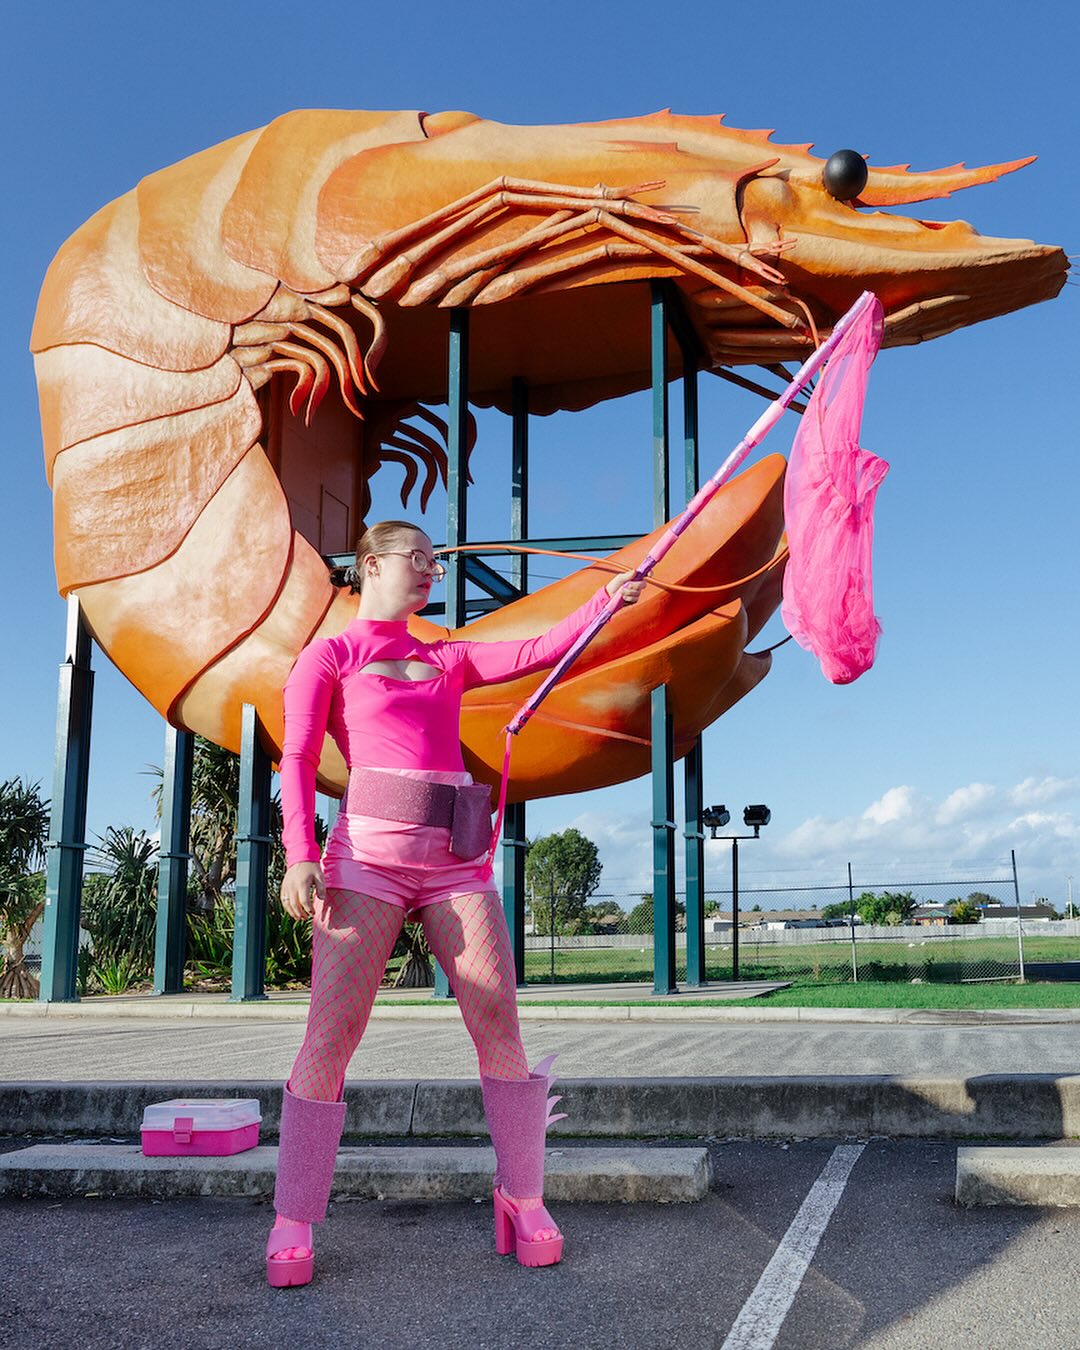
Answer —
192 506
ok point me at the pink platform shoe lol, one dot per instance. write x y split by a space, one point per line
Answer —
518 1115
281 1271
307 1150
515 1231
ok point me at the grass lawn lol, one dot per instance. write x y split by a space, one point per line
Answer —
932 960
974 996
920 996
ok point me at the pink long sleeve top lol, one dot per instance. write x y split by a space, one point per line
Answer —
378 721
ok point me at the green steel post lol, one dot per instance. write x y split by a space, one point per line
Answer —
67 826
661 490
735 908
519 479
690 426
456 506
170 946
694 835
663 825
513 892
252 862
693 765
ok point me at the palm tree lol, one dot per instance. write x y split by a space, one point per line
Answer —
120 901
215 789
24 830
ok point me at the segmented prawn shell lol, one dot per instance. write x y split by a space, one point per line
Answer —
192 506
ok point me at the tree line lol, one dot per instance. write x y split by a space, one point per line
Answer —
119 896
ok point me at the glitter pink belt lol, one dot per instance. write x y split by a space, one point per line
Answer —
464 811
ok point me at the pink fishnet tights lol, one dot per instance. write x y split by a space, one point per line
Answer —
353 938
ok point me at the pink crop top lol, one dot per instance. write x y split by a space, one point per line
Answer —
379 721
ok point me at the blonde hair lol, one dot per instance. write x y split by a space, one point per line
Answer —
375 539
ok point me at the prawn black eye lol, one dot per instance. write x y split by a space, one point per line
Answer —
845 174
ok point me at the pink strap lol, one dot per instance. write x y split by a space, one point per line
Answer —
288 1235
500 810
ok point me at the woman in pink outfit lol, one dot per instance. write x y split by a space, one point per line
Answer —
412 840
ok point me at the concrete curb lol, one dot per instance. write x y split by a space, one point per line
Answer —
989 1106
163 1009
600 1175
1018 1176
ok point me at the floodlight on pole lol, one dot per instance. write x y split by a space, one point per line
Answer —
754 818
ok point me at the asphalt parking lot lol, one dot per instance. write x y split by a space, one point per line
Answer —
897 1265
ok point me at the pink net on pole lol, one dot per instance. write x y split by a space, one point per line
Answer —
829 493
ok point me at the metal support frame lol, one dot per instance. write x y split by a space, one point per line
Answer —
735 908
667 314
663 825
661 474
170 944
457 378
514 842
514 846
67 824
693 765
253 843
694 836
733 840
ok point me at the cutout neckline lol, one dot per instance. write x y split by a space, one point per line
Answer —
401 679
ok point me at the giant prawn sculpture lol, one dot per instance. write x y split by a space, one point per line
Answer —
327 247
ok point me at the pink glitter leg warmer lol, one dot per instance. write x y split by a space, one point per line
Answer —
307 1152
518 1115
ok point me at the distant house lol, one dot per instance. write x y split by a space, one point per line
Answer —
931 916
772 920
1040 913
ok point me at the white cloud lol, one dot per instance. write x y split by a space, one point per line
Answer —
902 836
897 804
966 802
1042 791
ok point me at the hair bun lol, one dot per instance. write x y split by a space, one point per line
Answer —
343 577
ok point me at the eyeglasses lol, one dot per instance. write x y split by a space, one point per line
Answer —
420 561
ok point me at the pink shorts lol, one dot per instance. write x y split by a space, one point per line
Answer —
406 865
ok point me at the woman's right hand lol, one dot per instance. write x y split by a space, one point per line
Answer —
296 888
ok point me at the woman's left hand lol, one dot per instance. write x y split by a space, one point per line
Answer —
626 587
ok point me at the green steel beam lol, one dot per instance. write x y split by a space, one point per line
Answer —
661 476
513 891
588 543
253 844
456 502
693 765
694 837
484 576
519 479
513 840
67 826
663 826
663 780
170 946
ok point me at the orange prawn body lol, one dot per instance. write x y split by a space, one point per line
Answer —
226 354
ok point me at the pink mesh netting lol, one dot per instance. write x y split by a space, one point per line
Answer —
829 496
353 938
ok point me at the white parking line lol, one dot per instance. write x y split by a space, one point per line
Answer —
758 1324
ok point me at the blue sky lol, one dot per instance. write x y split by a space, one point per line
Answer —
962 742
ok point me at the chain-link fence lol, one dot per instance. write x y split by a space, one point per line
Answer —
794 935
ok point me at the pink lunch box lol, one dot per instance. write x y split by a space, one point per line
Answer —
200 1127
